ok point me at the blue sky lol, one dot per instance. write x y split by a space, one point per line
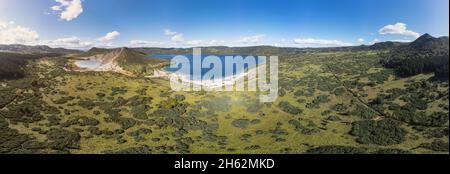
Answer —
188 23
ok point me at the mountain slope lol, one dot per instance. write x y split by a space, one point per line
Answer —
138 63
426 54
12 64
123 60
388 45
39 49
94 51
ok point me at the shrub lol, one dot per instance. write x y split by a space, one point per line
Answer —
81 121
437 145
124 122
385 132
241 123
311 129
144 149
363 112
288 108
421 118
61 139
333 149
88 104
139 111
392 151
100 95
339 91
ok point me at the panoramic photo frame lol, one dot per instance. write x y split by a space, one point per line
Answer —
211 85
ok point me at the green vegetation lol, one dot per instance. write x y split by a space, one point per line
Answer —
12 64
385 132
337 150
332 101
288 108
426 54
139 63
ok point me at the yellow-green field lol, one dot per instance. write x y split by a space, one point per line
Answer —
113 113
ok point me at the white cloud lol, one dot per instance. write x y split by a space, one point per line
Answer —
374 41
174 36
77 43
177 38
360 40
401 40
68 9
56 8
69 42
320 42
169 32
109 36
252 39
143 43
2 25
398 29
10 33
205 43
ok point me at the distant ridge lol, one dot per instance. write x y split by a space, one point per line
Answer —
388 45
38 49
264 49
95 51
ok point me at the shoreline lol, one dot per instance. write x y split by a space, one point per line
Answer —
211 84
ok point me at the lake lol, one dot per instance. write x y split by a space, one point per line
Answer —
204 70
89 64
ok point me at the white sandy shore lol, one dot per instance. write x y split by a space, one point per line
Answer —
211 84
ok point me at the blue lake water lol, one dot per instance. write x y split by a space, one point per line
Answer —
204 70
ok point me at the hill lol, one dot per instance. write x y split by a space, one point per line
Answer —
94 51
123 60
425 54
138 62
39 49
12 64
270 50
388 45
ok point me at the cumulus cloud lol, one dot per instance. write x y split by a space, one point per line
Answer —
320 42
169 32
68 9
2 24
69 42
360 40
10 33
174 36
109 36
252 39
398 29
74 42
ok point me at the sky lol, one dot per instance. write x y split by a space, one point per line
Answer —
82 24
